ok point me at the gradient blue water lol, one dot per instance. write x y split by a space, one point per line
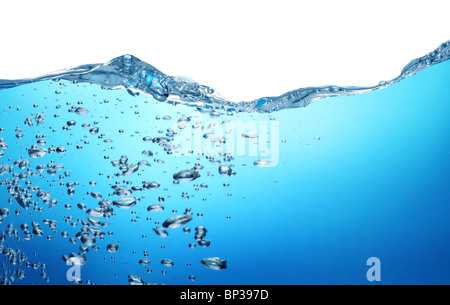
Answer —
374 185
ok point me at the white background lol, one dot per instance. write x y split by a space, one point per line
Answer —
243 49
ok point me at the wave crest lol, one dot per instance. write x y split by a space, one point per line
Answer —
128 72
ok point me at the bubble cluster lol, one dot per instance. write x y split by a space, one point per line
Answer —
91 174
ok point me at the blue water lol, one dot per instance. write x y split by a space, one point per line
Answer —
357 177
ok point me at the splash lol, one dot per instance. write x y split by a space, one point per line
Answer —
136 76
118 182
